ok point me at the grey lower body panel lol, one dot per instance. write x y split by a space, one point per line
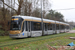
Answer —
17 35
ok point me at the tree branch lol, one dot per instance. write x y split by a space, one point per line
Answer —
9 6
17 4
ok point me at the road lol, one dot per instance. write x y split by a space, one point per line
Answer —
71 31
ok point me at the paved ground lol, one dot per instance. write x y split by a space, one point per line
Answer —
71 31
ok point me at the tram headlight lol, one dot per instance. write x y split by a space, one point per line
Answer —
19 31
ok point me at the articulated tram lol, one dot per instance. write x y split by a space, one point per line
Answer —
27 26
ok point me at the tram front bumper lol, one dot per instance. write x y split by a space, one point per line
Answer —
15 36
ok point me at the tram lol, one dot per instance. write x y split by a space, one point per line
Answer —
27 26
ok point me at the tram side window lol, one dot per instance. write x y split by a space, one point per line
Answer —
67 27
23 27
57 26
45 26
62 27
26 25
49 26
36 26
53 26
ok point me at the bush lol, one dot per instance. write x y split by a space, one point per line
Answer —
2 32
0 26
4 29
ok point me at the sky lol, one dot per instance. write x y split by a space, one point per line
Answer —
69 15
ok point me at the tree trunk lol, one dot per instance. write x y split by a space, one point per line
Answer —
19 8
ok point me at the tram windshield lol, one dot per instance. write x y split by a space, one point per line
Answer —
16 23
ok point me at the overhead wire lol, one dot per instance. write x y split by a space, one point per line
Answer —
65 9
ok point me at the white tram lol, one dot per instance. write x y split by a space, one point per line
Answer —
27 26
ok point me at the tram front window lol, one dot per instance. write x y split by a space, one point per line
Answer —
16 24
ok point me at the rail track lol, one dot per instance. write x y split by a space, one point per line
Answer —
26 40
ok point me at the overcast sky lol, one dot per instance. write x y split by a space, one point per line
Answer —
69 15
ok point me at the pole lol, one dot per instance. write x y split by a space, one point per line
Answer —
42 18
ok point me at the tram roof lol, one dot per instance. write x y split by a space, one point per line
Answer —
35 18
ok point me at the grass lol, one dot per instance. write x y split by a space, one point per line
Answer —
73 29
37 43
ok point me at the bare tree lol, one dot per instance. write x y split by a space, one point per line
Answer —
28 4
37 4
36 13
19 6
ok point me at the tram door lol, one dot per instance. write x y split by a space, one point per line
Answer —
29 28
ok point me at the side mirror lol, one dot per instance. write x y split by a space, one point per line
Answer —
8 22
